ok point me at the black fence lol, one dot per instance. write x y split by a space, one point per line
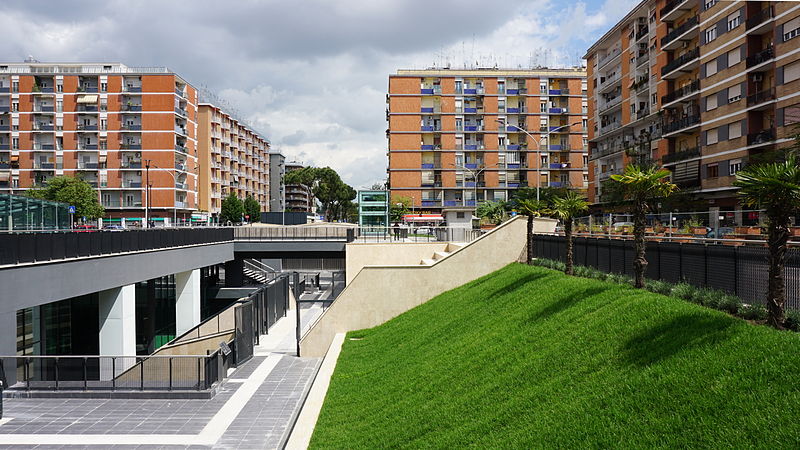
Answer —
30 247
740 270
258 313
323 233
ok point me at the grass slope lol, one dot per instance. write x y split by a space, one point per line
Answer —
527 357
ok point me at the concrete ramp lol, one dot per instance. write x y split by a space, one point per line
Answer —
380 293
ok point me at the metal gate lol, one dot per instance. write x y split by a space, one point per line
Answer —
244 332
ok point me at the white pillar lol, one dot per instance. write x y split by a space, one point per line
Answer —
187 300
117 329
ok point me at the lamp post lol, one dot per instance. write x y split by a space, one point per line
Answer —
175 179
475 175
538 148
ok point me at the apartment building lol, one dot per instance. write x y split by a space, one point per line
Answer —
112 125
233 159
700 87
277 169
461 137
298 197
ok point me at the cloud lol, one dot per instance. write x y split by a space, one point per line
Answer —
310 75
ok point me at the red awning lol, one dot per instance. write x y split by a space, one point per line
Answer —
423 218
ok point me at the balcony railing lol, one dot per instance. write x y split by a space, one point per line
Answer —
135 89
131 146
131 127
88 165
131 165
44 109
760 17
558 91
680 61
761 97
602 61
681 155
558 110
760 57
44 165
677 32
642 32
84 127
87 108
670 6
761 137
611 103
132 108
181 112
690 88
680 124
43 127
38 146
180 185
430 128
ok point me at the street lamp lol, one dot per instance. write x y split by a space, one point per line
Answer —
538 148
475 175
147 194
175 179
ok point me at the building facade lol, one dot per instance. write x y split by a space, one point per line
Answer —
460 137
277 169
373 209
112 125
701 87
232 159
298 198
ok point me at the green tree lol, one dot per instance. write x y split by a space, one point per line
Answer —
567 208
532 209
231 210
73 191
640 187
252 208
494 212
400 206
326 186
775 187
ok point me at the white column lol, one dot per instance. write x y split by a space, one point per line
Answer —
117 329
187 300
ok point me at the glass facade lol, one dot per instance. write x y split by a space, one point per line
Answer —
23 213
373 208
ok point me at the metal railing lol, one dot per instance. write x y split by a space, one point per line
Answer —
681 60
20 247
290 233
680 156
416 234
115 373
690 88
685 26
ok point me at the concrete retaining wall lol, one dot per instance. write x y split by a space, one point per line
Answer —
392 254
380 293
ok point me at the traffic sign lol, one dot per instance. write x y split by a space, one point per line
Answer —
71 209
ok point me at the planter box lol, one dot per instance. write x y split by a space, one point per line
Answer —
699 231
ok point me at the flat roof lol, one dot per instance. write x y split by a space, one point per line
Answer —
596 46
491 72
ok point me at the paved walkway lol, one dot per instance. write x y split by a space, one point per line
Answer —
253 409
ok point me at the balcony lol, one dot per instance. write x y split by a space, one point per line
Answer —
672 10
431 110
517 91
643 31
608 57
559 129
681 155
682 124
515 110
5 147
473 91
131 165
558 91
680 93
132 89
87 108
88 89
558 110
131 127
44 165
473 146
558 184
44 109
473 128
181 112
182 186
88 147
760 57
762 137
4 90
180 166
686 58
43 127
5 127
609 104
5 108
40 146
88 165
759 18
559 165
761 97
471 165
135 184
609 82
181 130
673 35
430 91
180 92
426 166
85 127
430 147
130 146
516 147
430 128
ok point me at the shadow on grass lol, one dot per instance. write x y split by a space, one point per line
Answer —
567 301
675 336
512 285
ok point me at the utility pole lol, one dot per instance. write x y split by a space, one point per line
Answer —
147 194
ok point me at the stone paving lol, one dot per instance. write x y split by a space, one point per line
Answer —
265 394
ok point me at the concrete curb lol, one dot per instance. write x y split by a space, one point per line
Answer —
303 427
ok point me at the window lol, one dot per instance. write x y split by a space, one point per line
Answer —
15 86
734 166
791 29
712 170
103 87
15 143
712 136
734 56
59 88
791 72
501 105
709 3
583 86
585 123
734 20
544 160
711 67
542 107
791 114
735 130
15 106
459 215
711 102
543 87
711 34
734 93
585 160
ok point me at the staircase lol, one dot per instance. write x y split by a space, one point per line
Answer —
258 272
439 255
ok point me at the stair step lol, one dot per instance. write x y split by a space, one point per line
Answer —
452 246
440 255
428 262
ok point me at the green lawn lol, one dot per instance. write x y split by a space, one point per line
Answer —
527 357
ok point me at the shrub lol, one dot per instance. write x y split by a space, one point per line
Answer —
684 291
792 321
753 312
729 303
706 297
658 287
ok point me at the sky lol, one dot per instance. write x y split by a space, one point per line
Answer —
310 75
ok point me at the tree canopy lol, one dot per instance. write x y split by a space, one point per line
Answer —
232 209
73 191
252 208
325 184
400 205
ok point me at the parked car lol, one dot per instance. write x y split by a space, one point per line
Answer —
113 227
83 228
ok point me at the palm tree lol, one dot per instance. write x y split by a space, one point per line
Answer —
566 208
775 187
640 185
531 208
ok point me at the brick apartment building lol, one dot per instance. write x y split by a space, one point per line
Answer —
105 123
457 137
699 86
232 159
